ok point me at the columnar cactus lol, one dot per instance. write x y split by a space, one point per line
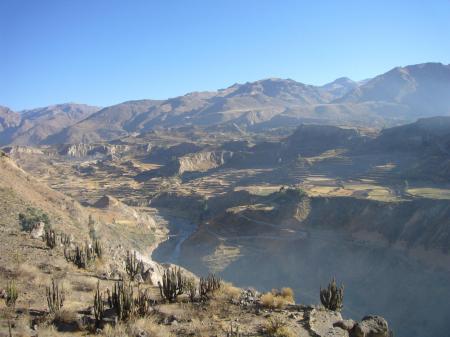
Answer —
65 240
143 303
99 306
11 294
191 288
133 265
97 246
122 300
55 297
332 297
50 238
81 257
208 285
173 284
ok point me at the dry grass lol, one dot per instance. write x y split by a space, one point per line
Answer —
84 284
278 299
287 293
30 274
200 328
49 331
65 316
277 327
21 325
228 292
136 327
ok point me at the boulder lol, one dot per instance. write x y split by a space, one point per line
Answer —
37 230
371 326
345 324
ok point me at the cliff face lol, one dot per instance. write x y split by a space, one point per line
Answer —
83 150
203 161
418 223
11 150
193 162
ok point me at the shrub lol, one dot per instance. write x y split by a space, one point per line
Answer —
277 298
268 300
229 292
287 293
277 327
31 217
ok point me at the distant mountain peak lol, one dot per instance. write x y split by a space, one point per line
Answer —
400 95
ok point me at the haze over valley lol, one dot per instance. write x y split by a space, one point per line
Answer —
224 168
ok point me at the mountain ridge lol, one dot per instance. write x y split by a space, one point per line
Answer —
396 97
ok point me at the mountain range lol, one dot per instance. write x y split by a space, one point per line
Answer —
396 97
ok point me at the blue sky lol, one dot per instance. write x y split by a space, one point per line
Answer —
104 52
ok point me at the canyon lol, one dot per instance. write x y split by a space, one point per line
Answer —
295 208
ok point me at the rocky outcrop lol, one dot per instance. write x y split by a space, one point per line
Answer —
38 230
111 204
164 155
194 162
322 323
107 202
371 326
83 150
12 150
312 140
203 161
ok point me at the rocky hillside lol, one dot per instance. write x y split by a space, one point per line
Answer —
421 88
66 272
31 127
20 191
